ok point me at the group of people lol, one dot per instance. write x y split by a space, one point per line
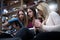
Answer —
32 25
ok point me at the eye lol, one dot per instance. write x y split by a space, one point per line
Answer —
29 11
21 14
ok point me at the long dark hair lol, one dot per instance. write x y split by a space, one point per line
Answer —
34 11
34 15
25 17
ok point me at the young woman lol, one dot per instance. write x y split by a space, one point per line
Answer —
51 19
31 13
22 17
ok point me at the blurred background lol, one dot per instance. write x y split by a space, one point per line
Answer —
8 8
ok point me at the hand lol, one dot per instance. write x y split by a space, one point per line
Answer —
37 23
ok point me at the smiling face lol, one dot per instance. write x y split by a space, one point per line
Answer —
21 15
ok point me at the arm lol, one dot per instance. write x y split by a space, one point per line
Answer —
10 22
51 24
51 28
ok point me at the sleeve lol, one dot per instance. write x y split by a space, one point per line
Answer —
12 20
17 21
50 26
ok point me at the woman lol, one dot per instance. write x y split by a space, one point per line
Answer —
31 13
52 19
22 17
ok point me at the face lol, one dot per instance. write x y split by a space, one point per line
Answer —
30 13
21 15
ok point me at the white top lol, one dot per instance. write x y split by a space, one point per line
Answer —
52 23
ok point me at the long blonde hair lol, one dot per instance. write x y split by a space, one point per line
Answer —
44 8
